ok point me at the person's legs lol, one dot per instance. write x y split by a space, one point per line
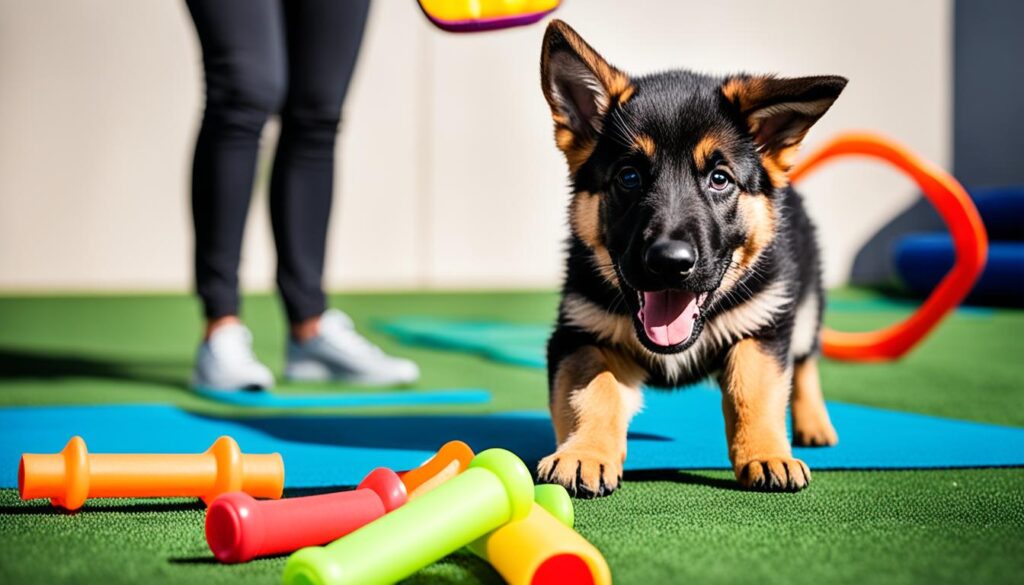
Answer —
245 68
323 38
323 42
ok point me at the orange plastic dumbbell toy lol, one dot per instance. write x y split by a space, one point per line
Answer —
450 460
70 477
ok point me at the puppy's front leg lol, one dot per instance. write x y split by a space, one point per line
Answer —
595 392
755 390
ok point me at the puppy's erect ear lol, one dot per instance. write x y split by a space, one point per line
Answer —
779 112
580 87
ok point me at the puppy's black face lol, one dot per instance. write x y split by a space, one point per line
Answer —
674 176
671 165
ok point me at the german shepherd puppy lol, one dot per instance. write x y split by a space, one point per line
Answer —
689 256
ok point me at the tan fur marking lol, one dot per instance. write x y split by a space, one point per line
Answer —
778 165
704 149
733 90
594 396
744 91
626 94
585 217
645 144
587 389
811 423
758 214
577 149
585 222
755 393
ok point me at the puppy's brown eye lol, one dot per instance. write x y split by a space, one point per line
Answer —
720 180
629 178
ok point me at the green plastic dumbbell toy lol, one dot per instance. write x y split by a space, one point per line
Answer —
496 489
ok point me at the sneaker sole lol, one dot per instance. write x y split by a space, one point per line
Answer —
312 371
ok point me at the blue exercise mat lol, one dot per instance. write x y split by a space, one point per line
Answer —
517 344
265 399
677 430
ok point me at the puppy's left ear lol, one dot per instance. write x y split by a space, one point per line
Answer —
779 112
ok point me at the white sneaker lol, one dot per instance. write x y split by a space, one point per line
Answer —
225 361
338 352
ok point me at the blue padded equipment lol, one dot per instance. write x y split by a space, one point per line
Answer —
923 259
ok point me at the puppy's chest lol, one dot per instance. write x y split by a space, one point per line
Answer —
684 368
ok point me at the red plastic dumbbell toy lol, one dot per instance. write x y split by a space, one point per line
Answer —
239 528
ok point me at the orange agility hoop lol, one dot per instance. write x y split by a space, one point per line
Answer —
961 217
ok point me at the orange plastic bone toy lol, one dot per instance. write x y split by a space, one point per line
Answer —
70 477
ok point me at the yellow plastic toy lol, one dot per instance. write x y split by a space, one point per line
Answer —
484 15
543 549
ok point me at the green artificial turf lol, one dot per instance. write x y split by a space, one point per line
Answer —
948 526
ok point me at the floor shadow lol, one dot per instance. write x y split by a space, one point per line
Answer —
528 436
205 560
18 363
682 477
98 508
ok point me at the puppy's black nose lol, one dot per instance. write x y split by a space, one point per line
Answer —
670 258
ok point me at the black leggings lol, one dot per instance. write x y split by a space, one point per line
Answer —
264 57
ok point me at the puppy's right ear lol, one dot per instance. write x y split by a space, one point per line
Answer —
580 87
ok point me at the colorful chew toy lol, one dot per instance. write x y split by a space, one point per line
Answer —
495 490
537 550
543 549
239 528
965 226
70 477
450 460
483 15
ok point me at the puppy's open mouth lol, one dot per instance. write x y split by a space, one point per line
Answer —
666 321
669 317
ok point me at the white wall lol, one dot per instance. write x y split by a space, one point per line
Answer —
448 175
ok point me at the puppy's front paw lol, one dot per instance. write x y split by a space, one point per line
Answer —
774 474
816 433
585 473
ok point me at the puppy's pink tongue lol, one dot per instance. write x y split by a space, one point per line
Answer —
668 316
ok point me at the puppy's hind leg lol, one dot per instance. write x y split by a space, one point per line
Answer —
811 424
595 392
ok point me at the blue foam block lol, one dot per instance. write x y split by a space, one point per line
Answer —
1001 210
677 430
349 400
922 260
